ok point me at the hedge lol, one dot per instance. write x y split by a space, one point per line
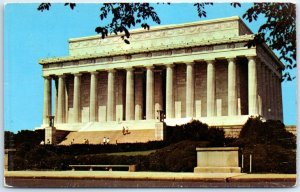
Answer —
273 150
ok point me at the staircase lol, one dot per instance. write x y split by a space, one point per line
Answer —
96 137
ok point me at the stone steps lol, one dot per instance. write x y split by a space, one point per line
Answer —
96 137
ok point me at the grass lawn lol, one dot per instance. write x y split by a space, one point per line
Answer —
132 153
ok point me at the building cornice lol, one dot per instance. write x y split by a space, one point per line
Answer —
243 38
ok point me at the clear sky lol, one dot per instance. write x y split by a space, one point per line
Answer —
30 35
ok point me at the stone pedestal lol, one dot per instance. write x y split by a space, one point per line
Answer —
160 131
8 154
217 160
50 138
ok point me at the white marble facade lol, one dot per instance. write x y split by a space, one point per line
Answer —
199 70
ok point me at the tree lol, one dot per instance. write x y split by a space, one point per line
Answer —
8 139
278 32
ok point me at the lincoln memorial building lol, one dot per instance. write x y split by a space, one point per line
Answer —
193 71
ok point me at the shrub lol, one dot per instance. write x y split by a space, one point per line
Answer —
179 157
271 146
216 137
195 131
271 132
270 159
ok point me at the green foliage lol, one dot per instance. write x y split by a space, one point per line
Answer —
270 159
8 139
24 136
124 16
279 30
180 145
178 157
273 148
44 6
216 137
201 8
271 132
195 131
82 149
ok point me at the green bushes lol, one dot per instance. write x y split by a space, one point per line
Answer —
273 148
195 131
177 152
270 132
270 159
15 140
178 157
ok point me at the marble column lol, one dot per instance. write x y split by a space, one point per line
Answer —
61 99
55 98
158 93
169 92
211 88
77 98
259 86
129 94
274 105
111 95
190 89
93 97
47 100
277 98
232 88
264 99
280 100
252 86
150 93
269 96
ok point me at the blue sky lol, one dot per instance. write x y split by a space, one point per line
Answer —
30 35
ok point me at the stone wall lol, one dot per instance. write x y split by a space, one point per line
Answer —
138 94
200 89
242 85
180 90
221 71
102 95
158 92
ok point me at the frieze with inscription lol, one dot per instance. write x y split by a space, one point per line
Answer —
165 36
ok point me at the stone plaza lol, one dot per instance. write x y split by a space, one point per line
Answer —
193 71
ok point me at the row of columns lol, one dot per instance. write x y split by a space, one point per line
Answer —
130 110
270 93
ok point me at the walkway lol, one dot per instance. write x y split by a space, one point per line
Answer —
144 179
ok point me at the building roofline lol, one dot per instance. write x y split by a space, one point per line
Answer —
244 24
157 28
162 27
269 50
